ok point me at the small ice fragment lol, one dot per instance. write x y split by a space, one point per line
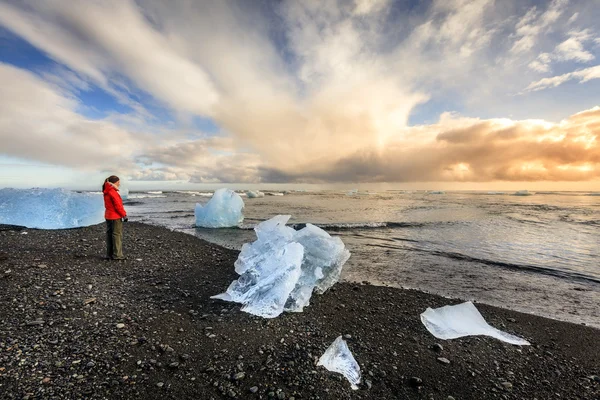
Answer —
522 193
252 194
337 358
223 210
451 322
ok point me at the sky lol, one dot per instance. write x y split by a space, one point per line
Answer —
450 94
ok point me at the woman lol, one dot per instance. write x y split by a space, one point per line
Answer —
115 215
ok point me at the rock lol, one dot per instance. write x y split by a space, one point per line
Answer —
254 389
507 385
438 348
89 301
160 384
174 365
368 383
120 326
450 398
415 381
239 375
443 360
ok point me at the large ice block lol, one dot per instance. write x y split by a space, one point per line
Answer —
223 210
451 322
338 358
50 208
263 262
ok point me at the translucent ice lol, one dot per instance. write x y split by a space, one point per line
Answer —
337 358
50 208
266 272
451 322
251 194
522 193
223 210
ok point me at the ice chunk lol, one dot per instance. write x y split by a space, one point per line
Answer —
437 192
264 290
223 210
252 194
50 208
262 261
337 358
522 193
451 322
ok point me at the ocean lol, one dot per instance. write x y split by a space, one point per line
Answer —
536 253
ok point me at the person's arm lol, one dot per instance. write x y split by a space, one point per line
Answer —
118 203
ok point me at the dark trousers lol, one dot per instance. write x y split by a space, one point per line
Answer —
114 238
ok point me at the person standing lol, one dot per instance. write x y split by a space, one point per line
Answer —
115 215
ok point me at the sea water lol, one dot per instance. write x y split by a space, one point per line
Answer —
538 254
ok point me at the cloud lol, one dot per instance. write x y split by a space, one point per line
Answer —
39 122
573 49
299 90
582 75
460 149
533 24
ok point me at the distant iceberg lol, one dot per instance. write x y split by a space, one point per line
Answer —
252 194
522 193
437 192
451 322
223 210
338 358
50 208
495 193
281 269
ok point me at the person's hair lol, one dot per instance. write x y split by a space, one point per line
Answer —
111 179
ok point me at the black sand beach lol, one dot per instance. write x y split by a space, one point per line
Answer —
75 326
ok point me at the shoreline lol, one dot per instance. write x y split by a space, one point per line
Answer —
175 342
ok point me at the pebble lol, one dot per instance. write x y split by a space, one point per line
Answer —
160 384
368 383
443 360
438 348
120 326
507 385
254 389
415 381
239 375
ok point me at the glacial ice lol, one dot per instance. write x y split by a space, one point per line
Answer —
338 358
252 194
223 210
451 322
50 208
522 193
272 277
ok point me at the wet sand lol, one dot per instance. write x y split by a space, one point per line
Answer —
75 326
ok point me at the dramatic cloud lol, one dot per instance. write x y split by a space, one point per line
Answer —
459 149
39 122
300 90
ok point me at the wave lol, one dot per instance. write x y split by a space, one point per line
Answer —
501 264
154 192
146 196
357 225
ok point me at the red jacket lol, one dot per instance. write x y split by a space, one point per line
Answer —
113 202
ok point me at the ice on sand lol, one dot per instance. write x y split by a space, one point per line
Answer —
451 322
281 269
223 210
338 358
50 208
